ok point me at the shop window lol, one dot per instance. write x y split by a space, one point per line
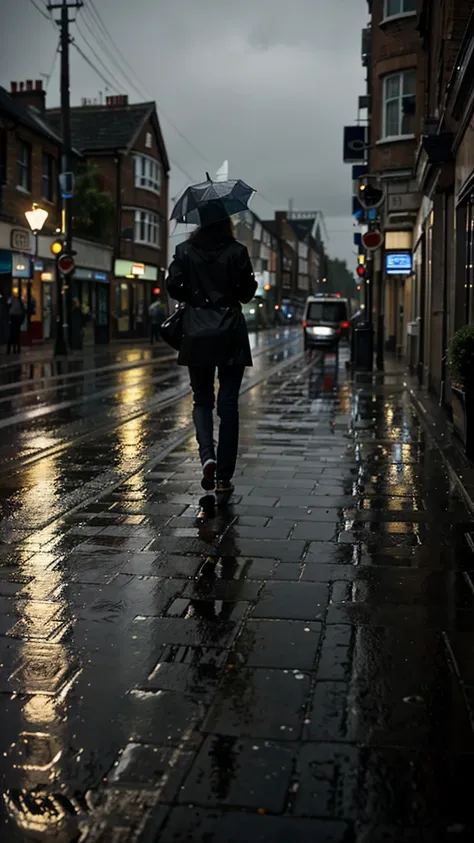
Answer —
47 177
147 173
399 104
147 229
393 8
23 167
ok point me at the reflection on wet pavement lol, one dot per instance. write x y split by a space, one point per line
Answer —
293 666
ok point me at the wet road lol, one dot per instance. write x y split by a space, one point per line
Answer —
297 666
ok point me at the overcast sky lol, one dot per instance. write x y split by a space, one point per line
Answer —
268 84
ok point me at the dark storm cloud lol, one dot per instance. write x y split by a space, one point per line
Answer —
267 84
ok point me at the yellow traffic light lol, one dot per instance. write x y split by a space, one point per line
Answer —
361 260
56 247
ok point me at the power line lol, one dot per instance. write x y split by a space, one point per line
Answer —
93 12
53 65
117 87
92 65
38 9
106 49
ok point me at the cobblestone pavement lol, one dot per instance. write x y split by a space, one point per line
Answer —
295 667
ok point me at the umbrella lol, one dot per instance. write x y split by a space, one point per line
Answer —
212 201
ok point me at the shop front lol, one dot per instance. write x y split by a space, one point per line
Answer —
91 289
135 286
15 280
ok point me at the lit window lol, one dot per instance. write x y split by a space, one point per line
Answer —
147 229
399 104
23 167
147 173
399 7
148 140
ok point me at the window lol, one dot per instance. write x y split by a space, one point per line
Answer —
23 166
399 7
147 173
47 177
327 311
147 229
399 101
148 140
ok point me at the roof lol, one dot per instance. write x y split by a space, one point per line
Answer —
302 228
28 116
105 128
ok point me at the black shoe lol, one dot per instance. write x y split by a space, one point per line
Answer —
224 491
208 481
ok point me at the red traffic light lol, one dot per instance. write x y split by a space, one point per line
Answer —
156 291
361 271
66 264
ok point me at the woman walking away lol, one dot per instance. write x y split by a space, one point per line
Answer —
212 274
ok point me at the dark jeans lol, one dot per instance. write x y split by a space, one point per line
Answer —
154 332
202 383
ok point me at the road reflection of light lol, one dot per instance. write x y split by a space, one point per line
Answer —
43 618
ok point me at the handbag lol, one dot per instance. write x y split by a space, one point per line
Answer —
200 323
171 330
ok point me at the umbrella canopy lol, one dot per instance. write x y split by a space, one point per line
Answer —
212 201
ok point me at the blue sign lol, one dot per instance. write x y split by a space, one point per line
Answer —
358 171
358 239
100 276
357 209
398 263
372 213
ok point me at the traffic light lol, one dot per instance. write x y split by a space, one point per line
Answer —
56 247
361 272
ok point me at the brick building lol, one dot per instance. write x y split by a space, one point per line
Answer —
396 89
444 168
421 86
29 160
125 142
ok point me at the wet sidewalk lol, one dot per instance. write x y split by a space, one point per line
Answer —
296 667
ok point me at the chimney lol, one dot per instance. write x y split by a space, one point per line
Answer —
28 95
116 102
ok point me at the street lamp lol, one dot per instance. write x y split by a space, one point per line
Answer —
36 219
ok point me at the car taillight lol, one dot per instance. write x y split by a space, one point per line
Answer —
344 324
305 324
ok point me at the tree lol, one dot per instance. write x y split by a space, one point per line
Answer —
93 211
340 279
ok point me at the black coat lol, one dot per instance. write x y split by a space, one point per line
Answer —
223 271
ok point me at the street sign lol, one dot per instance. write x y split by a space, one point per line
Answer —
66 264
66 185
355 144
372 240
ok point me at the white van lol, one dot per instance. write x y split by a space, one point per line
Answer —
325 321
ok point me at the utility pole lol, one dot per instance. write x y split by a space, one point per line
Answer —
62 287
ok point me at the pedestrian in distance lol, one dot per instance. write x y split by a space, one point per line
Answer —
16 315
212 273
156 313
78 321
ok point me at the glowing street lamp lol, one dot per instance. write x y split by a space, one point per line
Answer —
36 219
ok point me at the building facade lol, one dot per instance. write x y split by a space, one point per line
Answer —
393 54
124 142
29 163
